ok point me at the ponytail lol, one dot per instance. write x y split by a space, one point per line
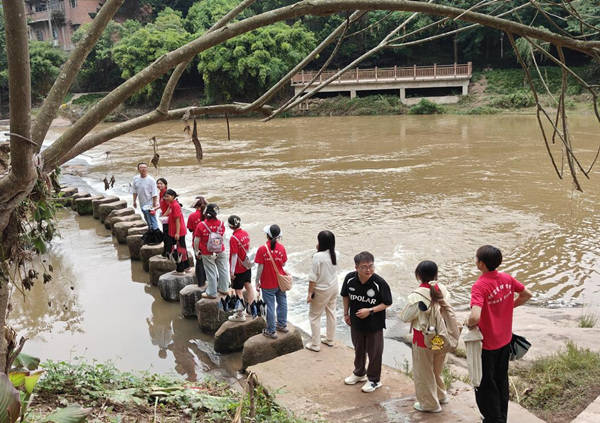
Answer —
272 243
326 241
435 293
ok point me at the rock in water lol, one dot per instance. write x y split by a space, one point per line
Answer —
77 197
117 214
231 335
148 251
83 206
68 192
102 200
137 230
134 243
121 229
188 297
159 265
210 318
170 284
105 209
259 348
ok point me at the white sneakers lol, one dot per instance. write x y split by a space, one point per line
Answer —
353 379
370 386
237 317
417 406
326 341
312 347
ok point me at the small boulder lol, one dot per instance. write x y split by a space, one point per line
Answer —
231 335
118 213
137 230
210 318
148 251
83 206
102 200
63 201
134 243
159 265
170 284
68 191
259 348
114 220
188 297
121 229
105 209
77 197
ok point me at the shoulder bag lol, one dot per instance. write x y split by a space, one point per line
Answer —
284 281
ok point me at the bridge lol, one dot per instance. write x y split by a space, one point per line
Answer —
396 78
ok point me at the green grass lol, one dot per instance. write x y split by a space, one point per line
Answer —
558 387
345 106
509 81
588 320
88 99
426 107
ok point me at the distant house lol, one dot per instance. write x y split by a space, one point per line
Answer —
56 20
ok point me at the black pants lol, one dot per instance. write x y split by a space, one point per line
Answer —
492 394
367 344
183 264
168 241
200 273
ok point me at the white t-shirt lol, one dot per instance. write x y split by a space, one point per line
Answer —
323 272
145 188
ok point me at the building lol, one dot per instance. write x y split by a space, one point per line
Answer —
56 20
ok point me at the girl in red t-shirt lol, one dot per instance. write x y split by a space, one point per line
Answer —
427 364
266 280
163 206
193 220
176 224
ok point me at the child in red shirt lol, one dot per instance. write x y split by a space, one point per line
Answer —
163 206
193 220
241 276
176 224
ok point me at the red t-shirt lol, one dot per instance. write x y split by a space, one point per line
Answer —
494 293
194 219
162 203
240 250
202 233
418 337
175 214
268 278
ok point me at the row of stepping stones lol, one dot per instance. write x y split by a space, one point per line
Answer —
128 228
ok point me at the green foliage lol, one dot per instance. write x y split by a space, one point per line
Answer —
482 110
563 383
203 14
138 49
346 106
72 414
426 107
10 406
243 67
509 81
516 100
46 61
588 320
88 99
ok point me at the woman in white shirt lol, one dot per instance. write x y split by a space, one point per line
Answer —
322 291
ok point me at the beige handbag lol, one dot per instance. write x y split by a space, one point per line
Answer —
284 281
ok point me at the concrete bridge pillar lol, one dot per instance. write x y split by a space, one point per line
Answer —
402 95
465 88
352 94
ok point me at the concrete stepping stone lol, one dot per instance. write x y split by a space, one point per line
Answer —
128 218
188 297
105 209
117 213
148 251
210 318
134 244
68 192
159 265
137 230
231 335
102 200
121 229
77 196
259 348
170 284
83 206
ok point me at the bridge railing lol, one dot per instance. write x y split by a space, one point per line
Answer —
388 74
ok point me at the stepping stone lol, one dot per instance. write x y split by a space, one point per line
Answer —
77 197
188 297
210 318
259 348
121 229
83 206
137 230
231 335
159 265
170 284
63 201
105 209
134 243
102 200
112 217
68 192
148 251
112 221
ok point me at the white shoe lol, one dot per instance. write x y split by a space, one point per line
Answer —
312 347
353 379
237 318
328 342
371 386
417 406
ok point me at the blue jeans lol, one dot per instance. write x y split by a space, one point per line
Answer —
150 219
269 297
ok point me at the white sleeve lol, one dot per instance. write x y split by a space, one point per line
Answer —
410 312
233 258
313 276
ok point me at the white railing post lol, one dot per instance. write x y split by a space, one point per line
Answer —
434 71
414 71
395 72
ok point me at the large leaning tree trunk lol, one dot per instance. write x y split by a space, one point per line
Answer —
28 163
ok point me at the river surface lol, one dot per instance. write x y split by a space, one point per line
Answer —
406 188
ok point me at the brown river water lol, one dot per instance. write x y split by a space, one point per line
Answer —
406 188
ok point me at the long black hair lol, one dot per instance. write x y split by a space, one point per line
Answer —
273 233
427 272
327 242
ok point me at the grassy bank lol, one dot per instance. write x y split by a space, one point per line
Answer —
114 396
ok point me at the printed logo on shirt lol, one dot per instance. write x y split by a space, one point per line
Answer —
351 289
497 296
362 299
371 293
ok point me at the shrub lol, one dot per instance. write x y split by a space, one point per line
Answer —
426 107
516 100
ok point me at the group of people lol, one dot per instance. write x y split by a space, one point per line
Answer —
365 296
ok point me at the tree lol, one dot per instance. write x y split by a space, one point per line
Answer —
46 61
29 165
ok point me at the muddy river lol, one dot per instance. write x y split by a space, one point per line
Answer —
406 188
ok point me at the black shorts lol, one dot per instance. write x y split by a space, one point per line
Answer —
241 278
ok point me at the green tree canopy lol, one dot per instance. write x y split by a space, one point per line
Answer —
46 61
203 14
